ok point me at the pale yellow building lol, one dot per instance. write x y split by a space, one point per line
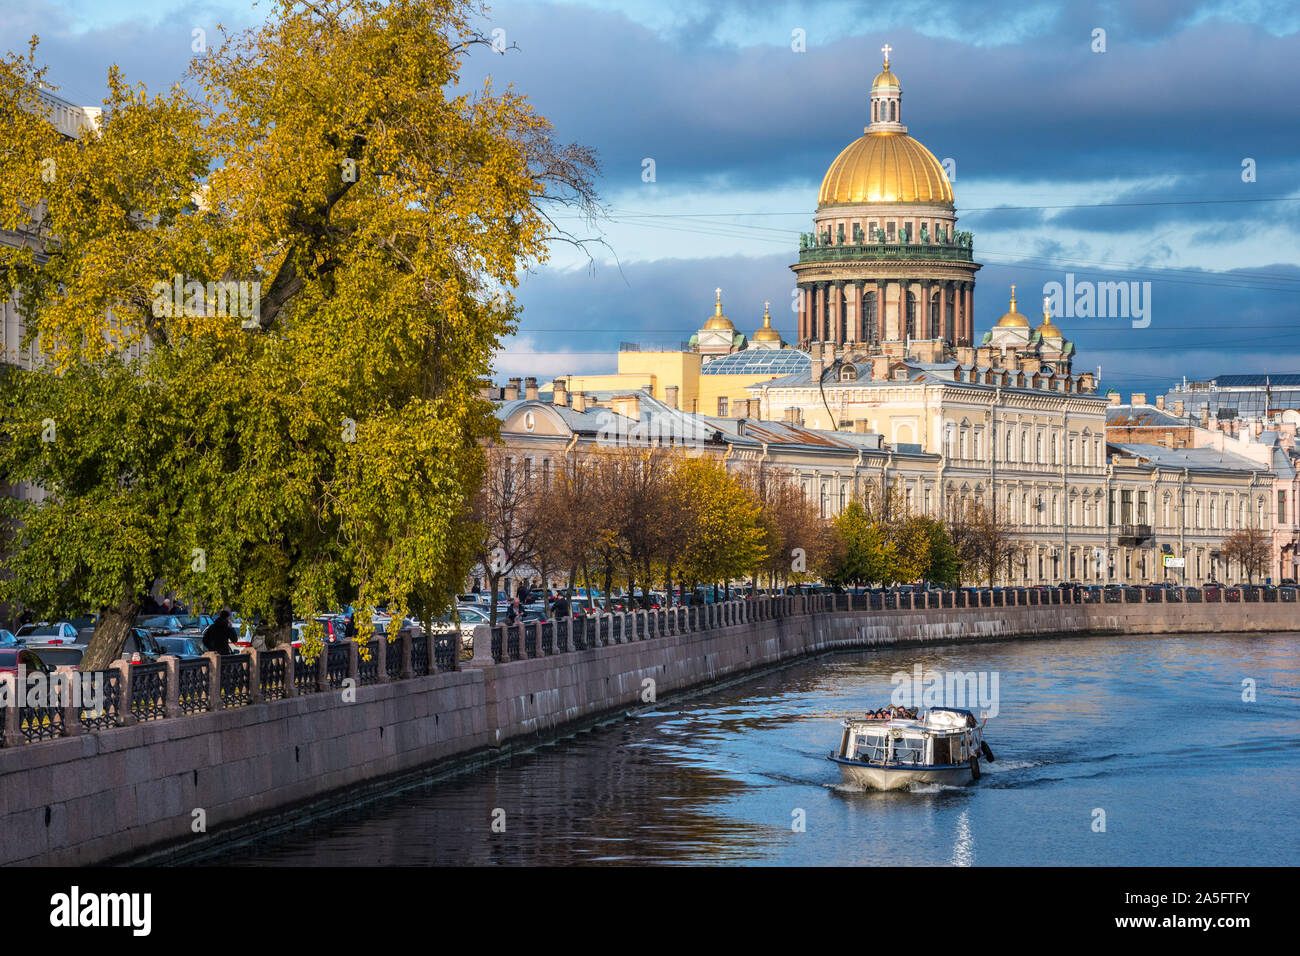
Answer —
710 375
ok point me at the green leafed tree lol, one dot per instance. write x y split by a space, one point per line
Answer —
313 250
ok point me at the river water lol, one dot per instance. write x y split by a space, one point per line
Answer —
1152 732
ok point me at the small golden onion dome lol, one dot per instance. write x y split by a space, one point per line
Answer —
766 333
717 320
1012 319
885 79
885 166
1047 330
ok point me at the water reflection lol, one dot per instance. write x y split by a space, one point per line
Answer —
1152 729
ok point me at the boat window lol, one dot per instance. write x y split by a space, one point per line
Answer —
908 750
945 750
872 747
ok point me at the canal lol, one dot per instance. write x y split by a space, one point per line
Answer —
1152 732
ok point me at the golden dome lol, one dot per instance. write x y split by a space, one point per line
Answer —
1012 319
717 320
885 166
1047 329
766 333
885 79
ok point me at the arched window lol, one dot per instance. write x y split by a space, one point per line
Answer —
911 315
1038 448
870 334
1024 446
1011 444
934 316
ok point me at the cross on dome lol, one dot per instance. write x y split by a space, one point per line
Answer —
886 49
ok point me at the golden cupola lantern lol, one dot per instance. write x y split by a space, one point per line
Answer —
1012 319
766 333
717 321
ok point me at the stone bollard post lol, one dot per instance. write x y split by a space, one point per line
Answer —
254 676
67 698
381 657
11 701
407 639
354 660
323 669
125 716
482 646
214 679
457 641
173 705
538 649
290 672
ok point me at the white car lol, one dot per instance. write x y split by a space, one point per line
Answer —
470 618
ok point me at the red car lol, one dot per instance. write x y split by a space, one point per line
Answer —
11 657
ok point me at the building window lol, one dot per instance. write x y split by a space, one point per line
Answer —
1281 507
869 333
722 408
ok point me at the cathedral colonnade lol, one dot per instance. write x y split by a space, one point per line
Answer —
865 312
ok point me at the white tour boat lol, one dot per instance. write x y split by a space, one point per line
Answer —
944 745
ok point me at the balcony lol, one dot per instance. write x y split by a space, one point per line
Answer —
1133 535
890 251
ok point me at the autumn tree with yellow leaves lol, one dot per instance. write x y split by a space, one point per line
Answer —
316 246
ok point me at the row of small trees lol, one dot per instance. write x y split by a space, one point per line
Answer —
649 517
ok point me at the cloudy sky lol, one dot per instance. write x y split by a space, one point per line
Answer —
1120 165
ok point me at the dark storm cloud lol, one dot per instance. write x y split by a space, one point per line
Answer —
1198 100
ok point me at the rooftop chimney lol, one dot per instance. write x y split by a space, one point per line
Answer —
579 401
629 406
1160 402
815 374
560 392
512 389
670 396
1179 409
1138 398
1205 416
530 389
1115 398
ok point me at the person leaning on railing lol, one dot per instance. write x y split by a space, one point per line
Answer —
219 634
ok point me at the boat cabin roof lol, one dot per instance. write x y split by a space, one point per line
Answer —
903 725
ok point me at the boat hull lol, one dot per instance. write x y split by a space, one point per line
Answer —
869 777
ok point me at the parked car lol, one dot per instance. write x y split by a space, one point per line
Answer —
59 655
196 623
11 657
60 632
7 639
141 641
160 624
182 646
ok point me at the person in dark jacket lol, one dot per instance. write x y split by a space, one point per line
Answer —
560 609
219 634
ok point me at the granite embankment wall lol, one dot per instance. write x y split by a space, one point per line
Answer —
116 793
